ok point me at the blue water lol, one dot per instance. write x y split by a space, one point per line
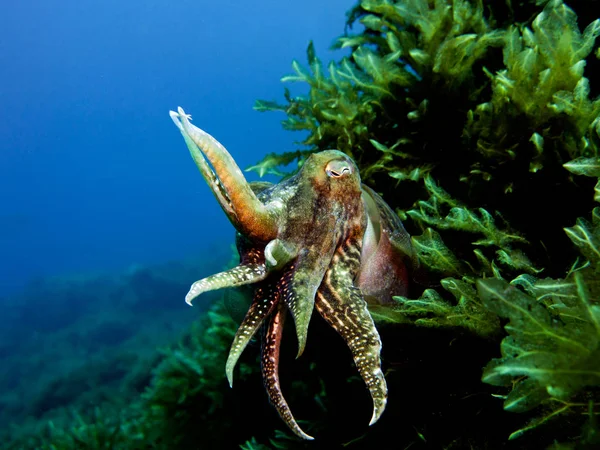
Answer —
93 174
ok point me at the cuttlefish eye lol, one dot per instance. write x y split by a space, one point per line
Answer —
338 168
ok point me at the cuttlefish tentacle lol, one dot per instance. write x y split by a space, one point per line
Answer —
252 269
238 276
270 371
247 213
265 300
343 307
278 253
299 294
211 179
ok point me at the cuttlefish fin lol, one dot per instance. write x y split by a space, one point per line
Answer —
388 256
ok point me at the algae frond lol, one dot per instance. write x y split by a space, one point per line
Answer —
479 123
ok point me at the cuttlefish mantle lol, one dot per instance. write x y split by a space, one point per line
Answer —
317 240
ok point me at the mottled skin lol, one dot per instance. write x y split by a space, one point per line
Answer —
317 240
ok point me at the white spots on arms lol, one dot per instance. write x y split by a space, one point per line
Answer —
255 316
238 276
270 372
343 307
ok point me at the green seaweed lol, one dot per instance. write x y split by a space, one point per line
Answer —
187 401
479 125
433 310
477 122
552 352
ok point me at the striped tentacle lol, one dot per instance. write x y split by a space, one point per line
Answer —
343 307
270 371
238 276
265 299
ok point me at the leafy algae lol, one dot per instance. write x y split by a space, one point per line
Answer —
482 117
477 121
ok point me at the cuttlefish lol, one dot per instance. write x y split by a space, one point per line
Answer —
317 240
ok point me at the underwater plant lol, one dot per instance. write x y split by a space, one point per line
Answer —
477 123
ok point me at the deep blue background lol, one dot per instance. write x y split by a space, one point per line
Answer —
93 174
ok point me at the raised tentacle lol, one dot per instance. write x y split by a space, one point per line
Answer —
343 307
211 179
238 276
270 371
246 212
